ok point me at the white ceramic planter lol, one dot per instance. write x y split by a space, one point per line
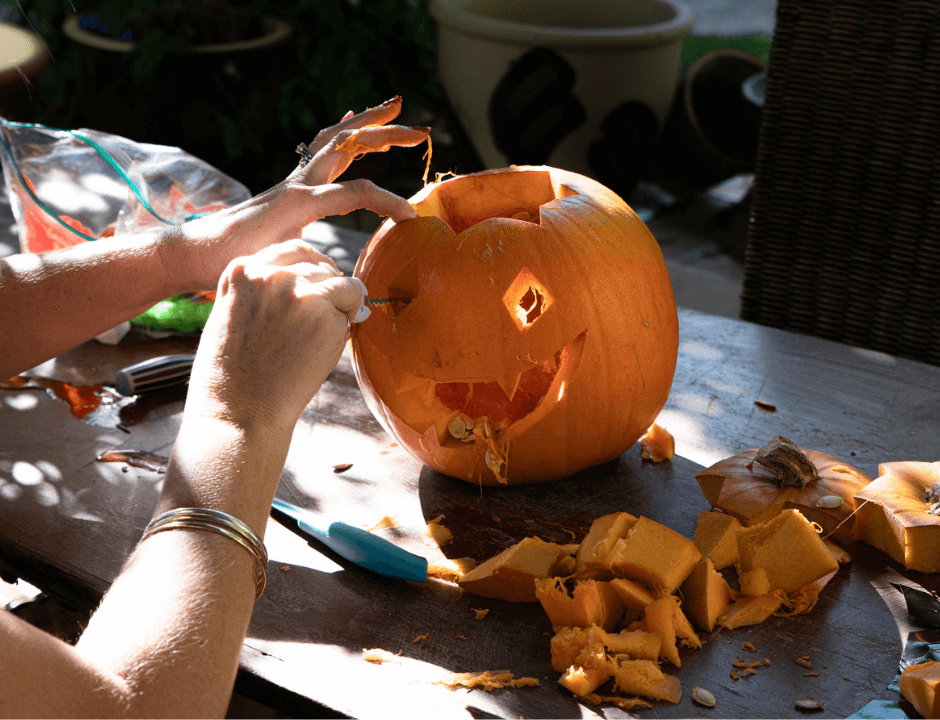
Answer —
598 55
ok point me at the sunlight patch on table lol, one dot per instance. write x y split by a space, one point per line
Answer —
692 438
701 350
21 401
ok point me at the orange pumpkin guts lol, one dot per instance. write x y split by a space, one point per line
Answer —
533 329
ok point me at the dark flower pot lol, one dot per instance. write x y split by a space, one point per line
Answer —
218 101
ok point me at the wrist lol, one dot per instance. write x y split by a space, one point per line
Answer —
222 466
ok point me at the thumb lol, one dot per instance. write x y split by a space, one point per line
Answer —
346 294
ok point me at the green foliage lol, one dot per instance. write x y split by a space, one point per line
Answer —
344 55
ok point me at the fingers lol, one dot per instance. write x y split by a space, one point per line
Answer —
292 252
334 149
344 197
379 115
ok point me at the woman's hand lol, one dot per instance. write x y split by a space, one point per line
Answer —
196 252
280 321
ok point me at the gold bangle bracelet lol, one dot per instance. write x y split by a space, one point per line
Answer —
220 523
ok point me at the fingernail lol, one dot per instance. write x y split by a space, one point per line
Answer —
363 314
391 101
421 128
348 115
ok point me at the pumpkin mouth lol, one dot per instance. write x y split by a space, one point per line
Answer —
486 402
487 411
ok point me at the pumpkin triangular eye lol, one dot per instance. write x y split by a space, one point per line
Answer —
526 299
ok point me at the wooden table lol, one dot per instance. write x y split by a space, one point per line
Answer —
67 523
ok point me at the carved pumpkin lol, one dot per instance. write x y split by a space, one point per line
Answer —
533 332
899 513
755 485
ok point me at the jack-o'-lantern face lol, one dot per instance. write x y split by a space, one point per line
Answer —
525 303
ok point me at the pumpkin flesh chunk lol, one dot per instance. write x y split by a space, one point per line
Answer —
643 677
714 537
597 544
592 602
787 549
654 555
920 685
511 574
706 595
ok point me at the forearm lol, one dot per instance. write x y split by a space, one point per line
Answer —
66 297
172 626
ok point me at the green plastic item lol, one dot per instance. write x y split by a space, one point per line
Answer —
180 314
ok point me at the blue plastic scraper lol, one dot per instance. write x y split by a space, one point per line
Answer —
363 548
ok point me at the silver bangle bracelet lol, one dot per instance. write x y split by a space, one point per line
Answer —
220 523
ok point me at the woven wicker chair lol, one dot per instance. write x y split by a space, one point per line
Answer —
844 239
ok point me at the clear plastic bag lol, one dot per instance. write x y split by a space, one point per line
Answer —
72 186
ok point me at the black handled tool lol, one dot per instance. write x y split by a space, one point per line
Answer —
155 374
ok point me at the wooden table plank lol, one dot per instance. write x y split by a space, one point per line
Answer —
71 529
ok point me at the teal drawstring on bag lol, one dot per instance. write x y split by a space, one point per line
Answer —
72 186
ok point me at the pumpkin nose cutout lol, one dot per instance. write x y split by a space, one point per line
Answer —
526 299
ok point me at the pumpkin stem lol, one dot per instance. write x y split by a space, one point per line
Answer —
789 464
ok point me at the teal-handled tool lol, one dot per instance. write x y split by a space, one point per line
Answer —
363 548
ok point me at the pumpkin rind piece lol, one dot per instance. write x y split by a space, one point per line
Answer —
511 574
920 685
745 489
894 515
787 548
706 595
654 555
569 373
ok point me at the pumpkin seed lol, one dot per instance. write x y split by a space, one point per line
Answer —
468 422
703 697
829 502
457 427
487 428
809 704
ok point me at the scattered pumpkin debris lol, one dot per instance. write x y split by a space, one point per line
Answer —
420 638
285 568
624 703
745 645
378 656
804 661
461 636
764 405
811 674
342 467
657 444
437 534
450 569
489 680
386 523
480 613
